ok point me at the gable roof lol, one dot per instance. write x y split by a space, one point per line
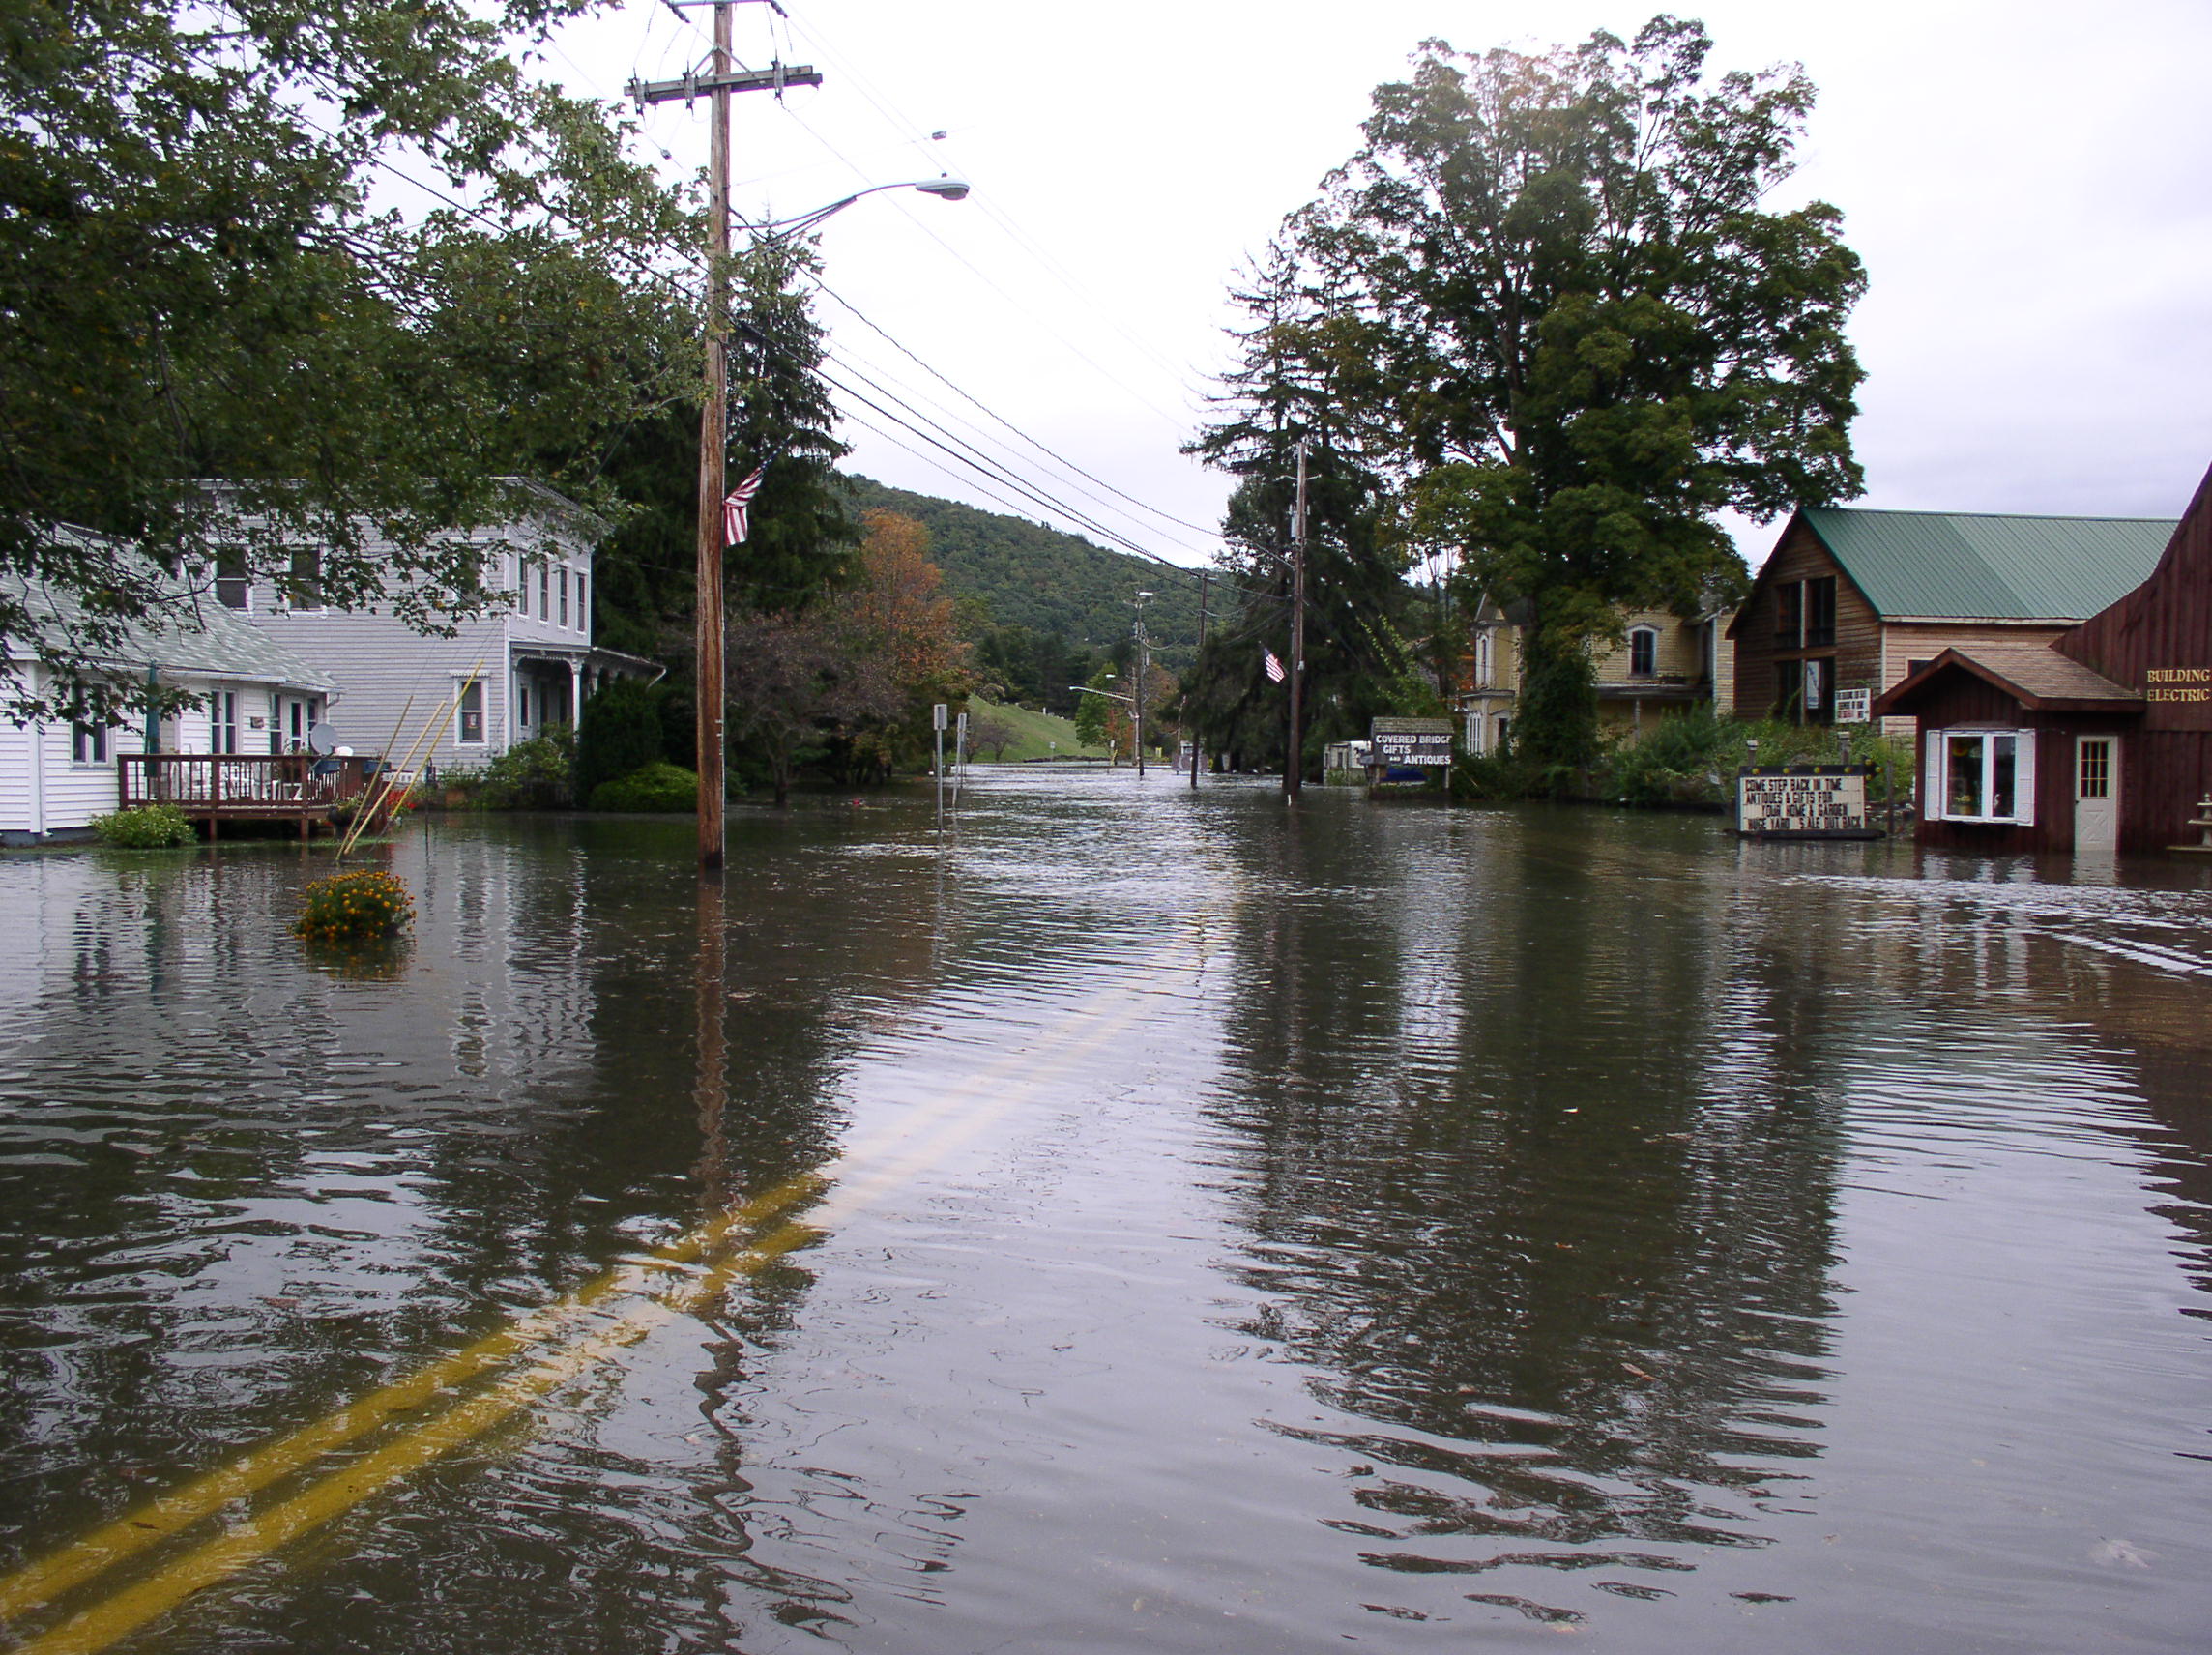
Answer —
194 634
2035 675
1985 565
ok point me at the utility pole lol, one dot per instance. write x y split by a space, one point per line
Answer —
1140 698
1293 765
1205 576
720 81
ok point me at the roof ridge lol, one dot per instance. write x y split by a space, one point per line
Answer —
2014 517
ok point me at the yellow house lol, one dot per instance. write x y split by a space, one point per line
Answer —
1662 665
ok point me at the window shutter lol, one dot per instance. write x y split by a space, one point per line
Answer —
2024 778
1932 774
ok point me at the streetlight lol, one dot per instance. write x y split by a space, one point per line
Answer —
714 444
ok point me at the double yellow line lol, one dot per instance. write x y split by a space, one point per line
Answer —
533 1356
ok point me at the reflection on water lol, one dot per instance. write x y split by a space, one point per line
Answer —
1285 1228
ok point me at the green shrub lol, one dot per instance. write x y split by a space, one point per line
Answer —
354 908
145 827
537 774
659 786
617 735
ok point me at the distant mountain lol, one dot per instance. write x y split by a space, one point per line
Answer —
1045 580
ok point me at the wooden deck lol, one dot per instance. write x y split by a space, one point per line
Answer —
215 788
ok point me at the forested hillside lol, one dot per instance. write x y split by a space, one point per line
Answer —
1044 581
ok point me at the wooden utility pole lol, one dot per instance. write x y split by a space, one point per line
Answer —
720 83
1294 766
1139 641
1205 576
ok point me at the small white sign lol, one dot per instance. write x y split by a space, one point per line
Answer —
1855 706
938 715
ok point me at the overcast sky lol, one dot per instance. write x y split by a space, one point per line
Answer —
2029 184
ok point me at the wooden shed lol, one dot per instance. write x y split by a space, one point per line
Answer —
2019 748
2098 739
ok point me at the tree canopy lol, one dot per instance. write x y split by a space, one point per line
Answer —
1557 320
210 267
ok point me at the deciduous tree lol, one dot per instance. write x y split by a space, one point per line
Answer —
210 270
1564 321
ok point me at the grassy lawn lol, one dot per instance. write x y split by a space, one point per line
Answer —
1035 738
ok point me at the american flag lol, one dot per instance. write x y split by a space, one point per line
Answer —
1275 667
734 523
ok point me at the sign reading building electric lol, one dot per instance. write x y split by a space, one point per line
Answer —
1410 741
1804 801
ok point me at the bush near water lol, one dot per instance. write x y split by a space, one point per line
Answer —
145 827
663 788
354 908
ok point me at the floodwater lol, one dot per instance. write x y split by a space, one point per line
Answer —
1133 1220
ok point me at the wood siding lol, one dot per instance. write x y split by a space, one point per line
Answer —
2164 625
1966 703
391 677
1857 648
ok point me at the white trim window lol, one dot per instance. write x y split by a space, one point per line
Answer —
470 716
1982 775
88 743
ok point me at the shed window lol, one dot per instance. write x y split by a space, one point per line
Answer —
1643 652
88 743
1982 775
472 720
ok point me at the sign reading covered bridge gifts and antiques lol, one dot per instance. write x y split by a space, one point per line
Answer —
1804 801
1416 742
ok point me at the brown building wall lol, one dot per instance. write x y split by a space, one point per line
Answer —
1963 703
2158 641
1857 648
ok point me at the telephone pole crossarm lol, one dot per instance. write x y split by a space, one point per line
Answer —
690 86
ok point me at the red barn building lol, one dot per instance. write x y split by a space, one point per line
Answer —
2100 739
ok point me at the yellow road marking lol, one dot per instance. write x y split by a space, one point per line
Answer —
170 1514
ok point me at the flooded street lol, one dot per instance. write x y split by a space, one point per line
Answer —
1133 1220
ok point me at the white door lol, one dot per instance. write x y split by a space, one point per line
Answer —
2096 793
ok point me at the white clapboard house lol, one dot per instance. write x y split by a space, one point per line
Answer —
251 694
406 692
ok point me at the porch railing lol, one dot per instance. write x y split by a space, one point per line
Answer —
275 783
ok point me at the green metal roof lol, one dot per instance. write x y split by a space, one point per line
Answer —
1959 563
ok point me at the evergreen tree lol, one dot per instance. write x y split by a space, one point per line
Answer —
1290 385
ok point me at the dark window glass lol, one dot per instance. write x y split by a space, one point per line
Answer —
230 577
1820 611
1643 653
303 585
1789 614
1911 667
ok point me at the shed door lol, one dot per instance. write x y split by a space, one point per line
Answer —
2096 793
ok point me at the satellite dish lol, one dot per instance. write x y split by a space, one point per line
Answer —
321 738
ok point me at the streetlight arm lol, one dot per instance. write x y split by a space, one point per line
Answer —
945 189
1086 690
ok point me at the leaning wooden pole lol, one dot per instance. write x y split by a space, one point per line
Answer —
376 797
